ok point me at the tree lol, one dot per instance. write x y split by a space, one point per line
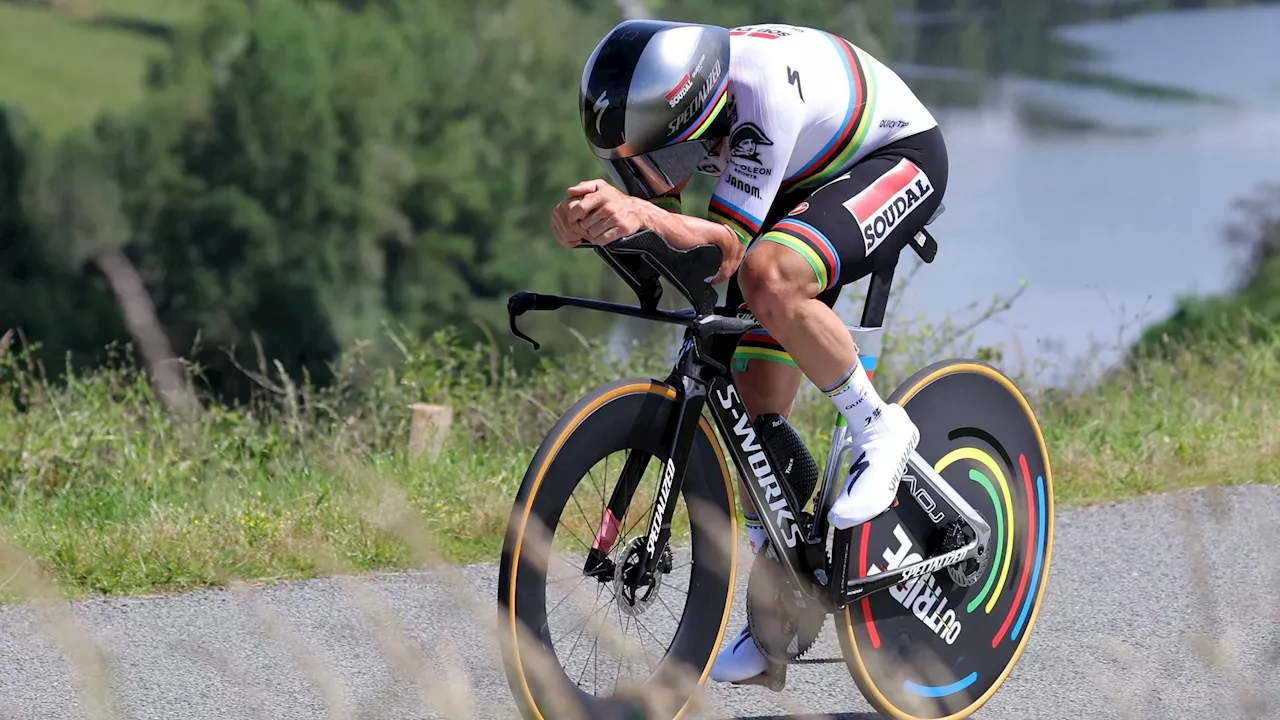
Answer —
77 205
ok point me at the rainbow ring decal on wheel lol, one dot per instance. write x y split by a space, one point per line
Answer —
930 643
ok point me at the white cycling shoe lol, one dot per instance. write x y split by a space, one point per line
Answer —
877 468
739 660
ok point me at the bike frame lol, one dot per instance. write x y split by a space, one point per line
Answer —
702 380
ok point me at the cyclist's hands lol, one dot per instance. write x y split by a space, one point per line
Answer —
568 232
732 251
602 213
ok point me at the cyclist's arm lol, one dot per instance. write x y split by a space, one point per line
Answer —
769 118
683 231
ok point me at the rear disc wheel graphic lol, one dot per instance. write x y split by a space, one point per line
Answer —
934 649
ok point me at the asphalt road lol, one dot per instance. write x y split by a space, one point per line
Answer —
1167 607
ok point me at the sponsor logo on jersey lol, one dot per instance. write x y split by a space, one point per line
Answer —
746 141
762 32
711 166
752 171
745 187
799 209
699 100
894 124
883 204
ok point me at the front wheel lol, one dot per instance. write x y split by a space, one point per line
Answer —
579 641
932 649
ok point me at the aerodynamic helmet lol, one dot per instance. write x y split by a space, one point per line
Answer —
652 101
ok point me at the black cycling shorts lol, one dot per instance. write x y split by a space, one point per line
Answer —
852 225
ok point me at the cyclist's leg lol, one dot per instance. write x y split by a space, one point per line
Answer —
840 234
767 381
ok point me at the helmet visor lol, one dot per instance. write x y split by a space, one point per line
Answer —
659 172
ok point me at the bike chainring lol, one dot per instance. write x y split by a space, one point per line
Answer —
953 536
783 621
635 598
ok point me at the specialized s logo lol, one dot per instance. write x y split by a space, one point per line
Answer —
746 141
602 102
883 204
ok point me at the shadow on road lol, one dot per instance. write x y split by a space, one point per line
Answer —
819 716
824 716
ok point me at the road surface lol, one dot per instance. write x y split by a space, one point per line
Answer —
1165 607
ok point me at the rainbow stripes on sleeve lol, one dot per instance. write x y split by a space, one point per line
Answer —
670 203
742 223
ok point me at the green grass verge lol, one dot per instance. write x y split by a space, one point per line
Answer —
102 493
63 63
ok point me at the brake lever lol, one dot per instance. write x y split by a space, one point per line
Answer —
517 305
522 302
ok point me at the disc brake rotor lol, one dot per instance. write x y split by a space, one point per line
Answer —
635 599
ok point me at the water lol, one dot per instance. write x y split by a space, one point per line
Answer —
1108 221
1097 161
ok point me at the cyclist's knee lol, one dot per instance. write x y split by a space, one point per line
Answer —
772 276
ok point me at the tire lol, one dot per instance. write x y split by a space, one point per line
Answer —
981 434
632 414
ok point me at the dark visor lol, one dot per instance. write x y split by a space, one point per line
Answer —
659 172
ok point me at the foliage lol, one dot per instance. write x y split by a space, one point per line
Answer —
1252 309
109 494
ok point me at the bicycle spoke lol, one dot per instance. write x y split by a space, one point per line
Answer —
594 532
655 638
668 607
557 605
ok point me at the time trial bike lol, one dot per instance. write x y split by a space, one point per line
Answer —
933 601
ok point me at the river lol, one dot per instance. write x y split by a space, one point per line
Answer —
1108 225
1070 172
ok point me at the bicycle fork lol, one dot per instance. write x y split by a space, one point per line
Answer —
691 396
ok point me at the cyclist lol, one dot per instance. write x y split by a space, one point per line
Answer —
827 163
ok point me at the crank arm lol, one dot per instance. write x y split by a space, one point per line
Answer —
954 500
905 574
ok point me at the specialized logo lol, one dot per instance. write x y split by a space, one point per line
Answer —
855 471
793 77
668 476
602 102
759 464
699 100
934 565
677 93
884 203
746 141
799 209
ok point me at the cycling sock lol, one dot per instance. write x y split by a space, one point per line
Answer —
755 532
856 399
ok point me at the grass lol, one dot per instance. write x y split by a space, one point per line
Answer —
64 62
107 496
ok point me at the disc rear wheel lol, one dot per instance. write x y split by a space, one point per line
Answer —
933 648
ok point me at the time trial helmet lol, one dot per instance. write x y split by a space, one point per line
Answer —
652 102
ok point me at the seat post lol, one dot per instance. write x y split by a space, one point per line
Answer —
877 302
867 335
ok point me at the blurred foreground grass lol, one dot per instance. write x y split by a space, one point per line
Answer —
109 496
